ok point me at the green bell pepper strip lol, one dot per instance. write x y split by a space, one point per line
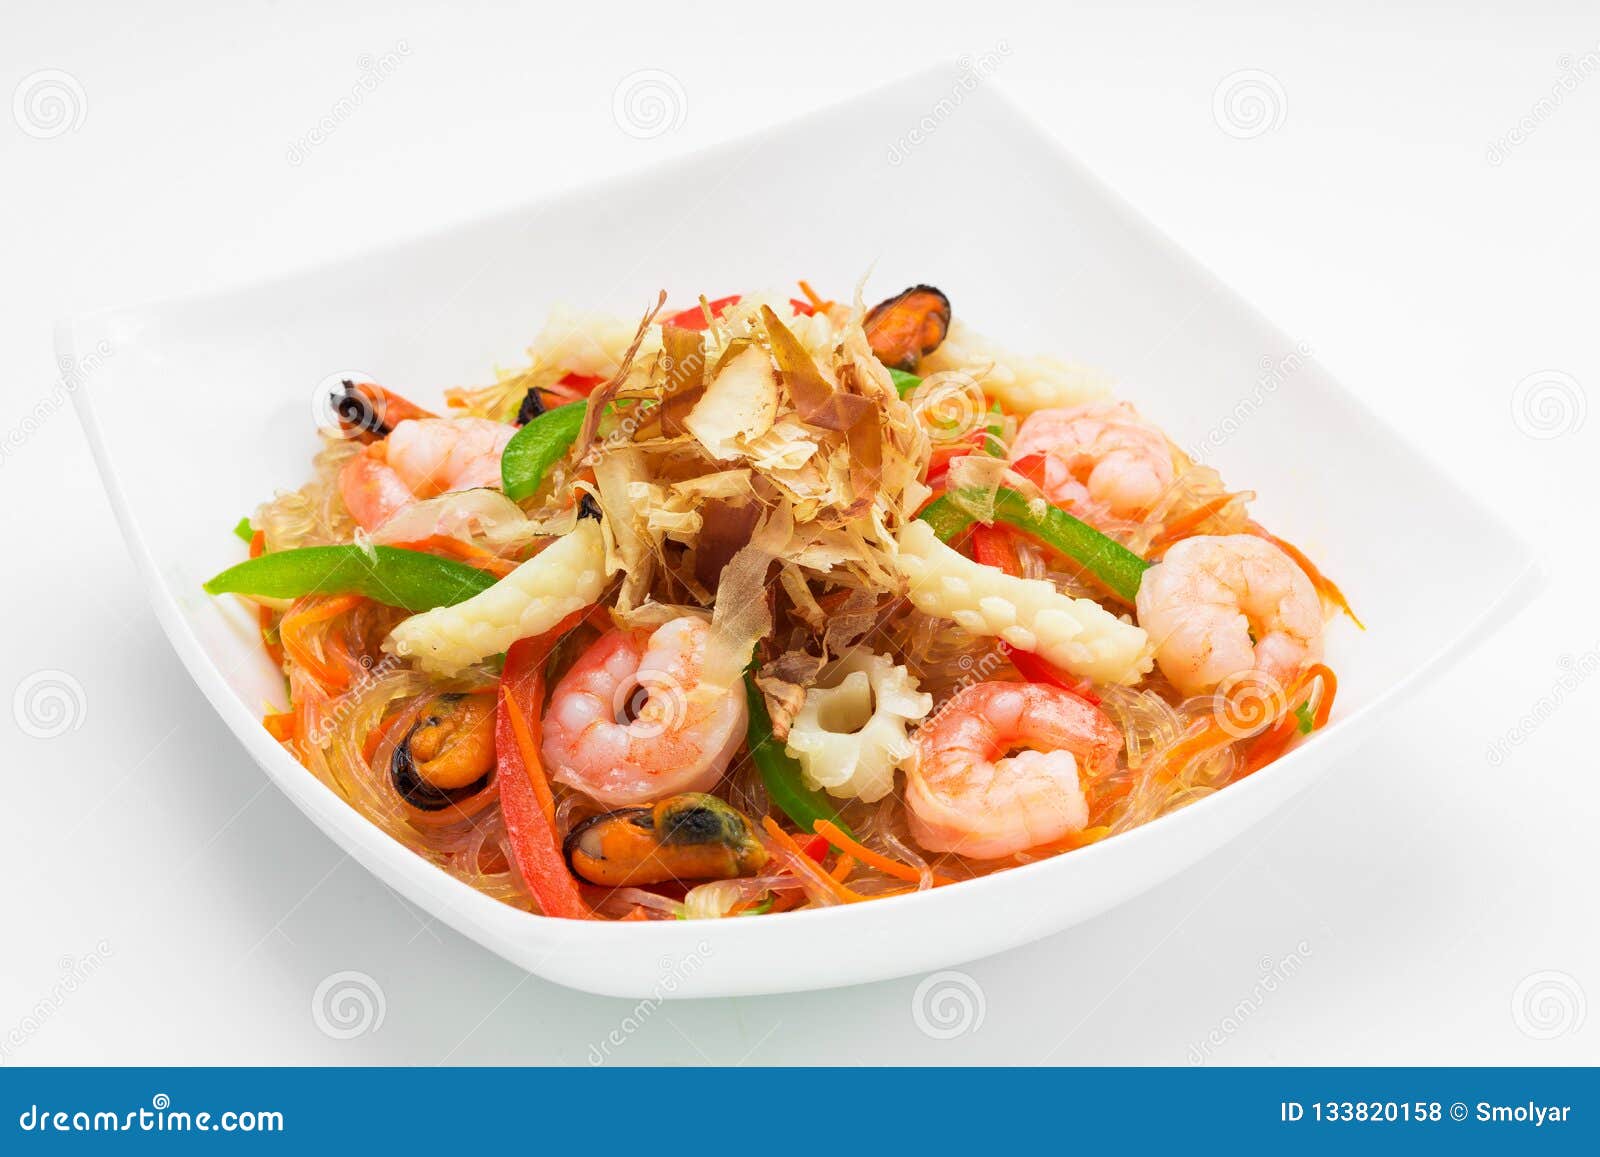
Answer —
786 788
904 382
538 446
1107 559
385 574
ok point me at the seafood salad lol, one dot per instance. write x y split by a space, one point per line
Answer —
772 603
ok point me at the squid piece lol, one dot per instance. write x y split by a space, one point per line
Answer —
853 727
1077 635
566 576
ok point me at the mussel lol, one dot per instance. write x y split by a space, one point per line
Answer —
533 404
448 754
692 836
908 326
368 412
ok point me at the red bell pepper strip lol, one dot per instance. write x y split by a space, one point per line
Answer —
1031 467
581 383
993 546
695 318
947 452
530 824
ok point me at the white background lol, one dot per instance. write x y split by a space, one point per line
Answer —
1422 888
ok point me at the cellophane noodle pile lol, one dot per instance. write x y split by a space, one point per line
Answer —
820 458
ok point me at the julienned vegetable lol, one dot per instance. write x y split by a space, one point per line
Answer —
1107 559
387 574
538 446
780 773
904 382
526 801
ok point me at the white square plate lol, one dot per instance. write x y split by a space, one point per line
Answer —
1033 251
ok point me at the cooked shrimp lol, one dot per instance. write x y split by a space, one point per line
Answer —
966 794
1101 459
634 720
1226 607
422 458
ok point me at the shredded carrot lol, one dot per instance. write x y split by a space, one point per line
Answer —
338 650
1272 743
1102 802
811 296
1072 841
1326 587
530 756
293 633
1267 745
782 902
1181 526
332 606
258 544
467 552
1330 687
842 867
280 726
785 841
1203 742
376 736
872 859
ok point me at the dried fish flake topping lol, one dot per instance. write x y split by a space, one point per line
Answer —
787 419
